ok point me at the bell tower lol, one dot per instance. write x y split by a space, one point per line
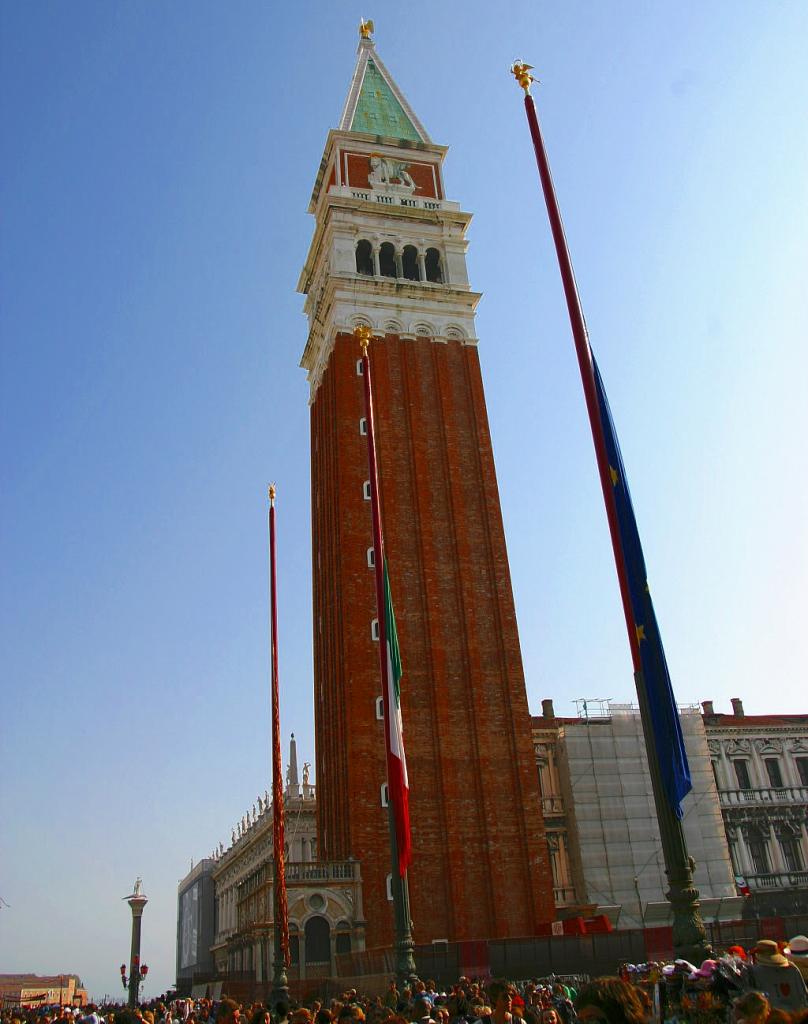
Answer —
389 251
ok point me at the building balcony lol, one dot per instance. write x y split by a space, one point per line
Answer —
563 895
314 873
552 805
744 797
369 195
784 880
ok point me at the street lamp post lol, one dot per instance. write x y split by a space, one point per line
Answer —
137 971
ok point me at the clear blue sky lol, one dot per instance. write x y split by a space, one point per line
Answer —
158 161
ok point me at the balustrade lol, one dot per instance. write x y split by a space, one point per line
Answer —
777 880
331 871
784 795
563 895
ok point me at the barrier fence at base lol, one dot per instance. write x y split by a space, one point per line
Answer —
593 953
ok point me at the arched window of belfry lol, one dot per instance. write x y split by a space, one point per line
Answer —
387 260
364 257
409 262
434 270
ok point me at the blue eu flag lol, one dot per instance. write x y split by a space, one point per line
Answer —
667 729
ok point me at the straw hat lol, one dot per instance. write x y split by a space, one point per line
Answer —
798 946
767 954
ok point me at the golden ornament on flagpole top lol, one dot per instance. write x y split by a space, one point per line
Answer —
521 72
363 333
272 493
366 29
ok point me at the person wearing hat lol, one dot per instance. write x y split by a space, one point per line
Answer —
779 979
797 953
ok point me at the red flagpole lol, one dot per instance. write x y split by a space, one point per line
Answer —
689 937
281 916
582 349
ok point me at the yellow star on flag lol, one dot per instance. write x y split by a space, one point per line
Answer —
640 633
614 475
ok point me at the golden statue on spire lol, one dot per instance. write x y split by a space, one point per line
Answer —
366 29
521 72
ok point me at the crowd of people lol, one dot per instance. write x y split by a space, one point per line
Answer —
765 985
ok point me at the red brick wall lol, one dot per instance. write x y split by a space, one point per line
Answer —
479 856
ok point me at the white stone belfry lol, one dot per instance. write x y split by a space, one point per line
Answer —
389 250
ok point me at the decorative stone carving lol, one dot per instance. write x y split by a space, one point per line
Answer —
390 176
758 826
714 747
769 746
737 747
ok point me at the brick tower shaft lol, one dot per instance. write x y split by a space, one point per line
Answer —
389 252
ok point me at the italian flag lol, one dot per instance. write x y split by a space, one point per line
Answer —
397 782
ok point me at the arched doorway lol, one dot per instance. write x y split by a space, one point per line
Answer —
318 941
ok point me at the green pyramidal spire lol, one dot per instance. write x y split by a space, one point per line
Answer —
375 103
378 111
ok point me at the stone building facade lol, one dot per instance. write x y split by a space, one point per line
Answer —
34 990
389 252
326 915
196 908
760 766
602 833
